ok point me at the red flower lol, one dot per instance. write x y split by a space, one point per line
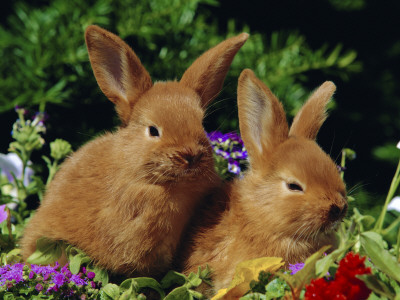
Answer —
345 286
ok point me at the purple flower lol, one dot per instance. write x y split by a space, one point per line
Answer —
91 275
11 272
68 274
233 166
295 268
39 287
31 274
239 154
3 213
222 153
78 280
215 136
52 288
58 279
233 136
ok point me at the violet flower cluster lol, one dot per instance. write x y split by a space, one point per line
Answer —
295 268
47 280
229 148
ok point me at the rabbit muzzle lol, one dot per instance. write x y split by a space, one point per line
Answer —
334 217
182 165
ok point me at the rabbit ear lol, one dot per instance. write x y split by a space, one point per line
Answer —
207 73
312 115
118 71
262 120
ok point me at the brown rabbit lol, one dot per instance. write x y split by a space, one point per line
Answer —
125 197
290 200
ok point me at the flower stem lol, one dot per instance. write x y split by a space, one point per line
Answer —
52 171
392 190
397 248
391 226
343 163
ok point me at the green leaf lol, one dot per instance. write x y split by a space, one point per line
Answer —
180 293
298 281
13 256
204 274
128 294
76 258
254 296
372 244
377 286
47 251
194 280
173 278
76 262
275 288
146 282
103 295
322 265
8 296
196 295
111 290
101 274
127 284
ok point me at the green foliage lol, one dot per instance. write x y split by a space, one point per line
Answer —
173 286
43 48
27 135
348 5
77 259
47 43
387 152
47 251
283 60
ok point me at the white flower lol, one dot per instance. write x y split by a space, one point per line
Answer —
398 145
11 163
394 204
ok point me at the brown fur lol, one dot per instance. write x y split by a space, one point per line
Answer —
262 215
125 197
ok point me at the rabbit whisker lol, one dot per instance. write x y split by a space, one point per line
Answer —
356 187
293 239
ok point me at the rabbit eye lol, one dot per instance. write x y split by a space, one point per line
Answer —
294 187
153 131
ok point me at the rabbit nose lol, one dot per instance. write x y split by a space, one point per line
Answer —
191 158
337 213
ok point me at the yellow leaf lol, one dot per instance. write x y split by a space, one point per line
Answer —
245 272
220 294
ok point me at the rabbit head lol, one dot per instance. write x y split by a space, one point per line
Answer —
166 117
291 181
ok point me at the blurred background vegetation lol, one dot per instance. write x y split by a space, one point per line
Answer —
294 46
